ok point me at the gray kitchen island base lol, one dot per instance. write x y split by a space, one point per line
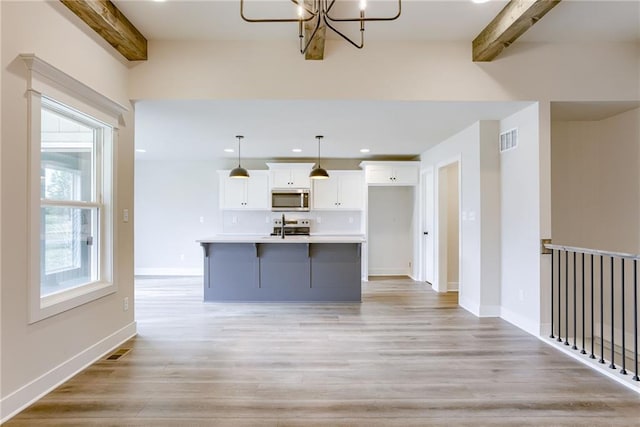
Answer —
276 272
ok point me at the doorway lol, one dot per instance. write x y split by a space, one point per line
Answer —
390 235
448 211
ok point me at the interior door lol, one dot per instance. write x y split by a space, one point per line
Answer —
427 227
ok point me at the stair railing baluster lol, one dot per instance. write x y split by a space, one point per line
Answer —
552 308
559 339
601 360
635 318
592 356
566 298
612 365
583 351
623 371
575 307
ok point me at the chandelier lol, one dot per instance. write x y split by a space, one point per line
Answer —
319 11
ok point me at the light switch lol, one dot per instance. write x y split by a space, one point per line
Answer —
201 220
125 215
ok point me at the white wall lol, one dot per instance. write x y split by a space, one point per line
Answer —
479 285
176 204
596 183
521 228
453 224
394 71
37 357
390 237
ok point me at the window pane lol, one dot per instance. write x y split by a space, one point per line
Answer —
68 248
66 158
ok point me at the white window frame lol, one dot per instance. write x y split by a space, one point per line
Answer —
47 82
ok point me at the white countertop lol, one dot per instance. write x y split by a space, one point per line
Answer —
249 238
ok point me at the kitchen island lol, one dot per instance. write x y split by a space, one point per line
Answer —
272 269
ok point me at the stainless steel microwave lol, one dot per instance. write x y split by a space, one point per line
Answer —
289 199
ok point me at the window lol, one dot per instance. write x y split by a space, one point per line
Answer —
70 198
72 138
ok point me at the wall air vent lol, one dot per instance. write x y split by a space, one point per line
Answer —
508 140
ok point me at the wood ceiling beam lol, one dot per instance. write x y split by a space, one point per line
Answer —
512 21
106 20
315 51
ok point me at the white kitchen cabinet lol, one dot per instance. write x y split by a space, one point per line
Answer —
290 175
391 173
251 193
343 190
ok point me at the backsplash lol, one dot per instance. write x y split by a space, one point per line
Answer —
322 222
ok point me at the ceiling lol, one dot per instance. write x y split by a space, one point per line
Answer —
203 129
450 20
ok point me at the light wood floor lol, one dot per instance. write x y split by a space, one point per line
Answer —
406 356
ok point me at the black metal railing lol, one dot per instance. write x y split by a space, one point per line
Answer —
592 287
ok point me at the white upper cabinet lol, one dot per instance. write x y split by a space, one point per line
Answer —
342 190
251 193
391 173
290 175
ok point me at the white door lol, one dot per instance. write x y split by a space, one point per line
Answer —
427 227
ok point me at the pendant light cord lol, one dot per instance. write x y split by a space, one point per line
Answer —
319 137
239 139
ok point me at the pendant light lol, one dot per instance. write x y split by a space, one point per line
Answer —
239 172
318 172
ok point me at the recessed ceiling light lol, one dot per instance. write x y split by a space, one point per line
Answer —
297 150
228 150
140 150
479 1
364 150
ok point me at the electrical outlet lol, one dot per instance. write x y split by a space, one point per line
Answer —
125 215
318 220
521 295
350 220
201 220
234 220
125 304
409 264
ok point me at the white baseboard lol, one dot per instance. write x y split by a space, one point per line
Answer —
614 374
452 286
479 310
489 311
389 272
169 271
15 402
520 321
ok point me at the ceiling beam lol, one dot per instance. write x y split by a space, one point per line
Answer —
512 21
106 20
315 51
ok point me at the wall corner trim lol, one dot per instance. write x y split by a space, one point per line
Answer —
18 400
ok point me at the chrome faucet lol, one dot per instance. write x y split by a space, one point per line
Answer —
282 226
